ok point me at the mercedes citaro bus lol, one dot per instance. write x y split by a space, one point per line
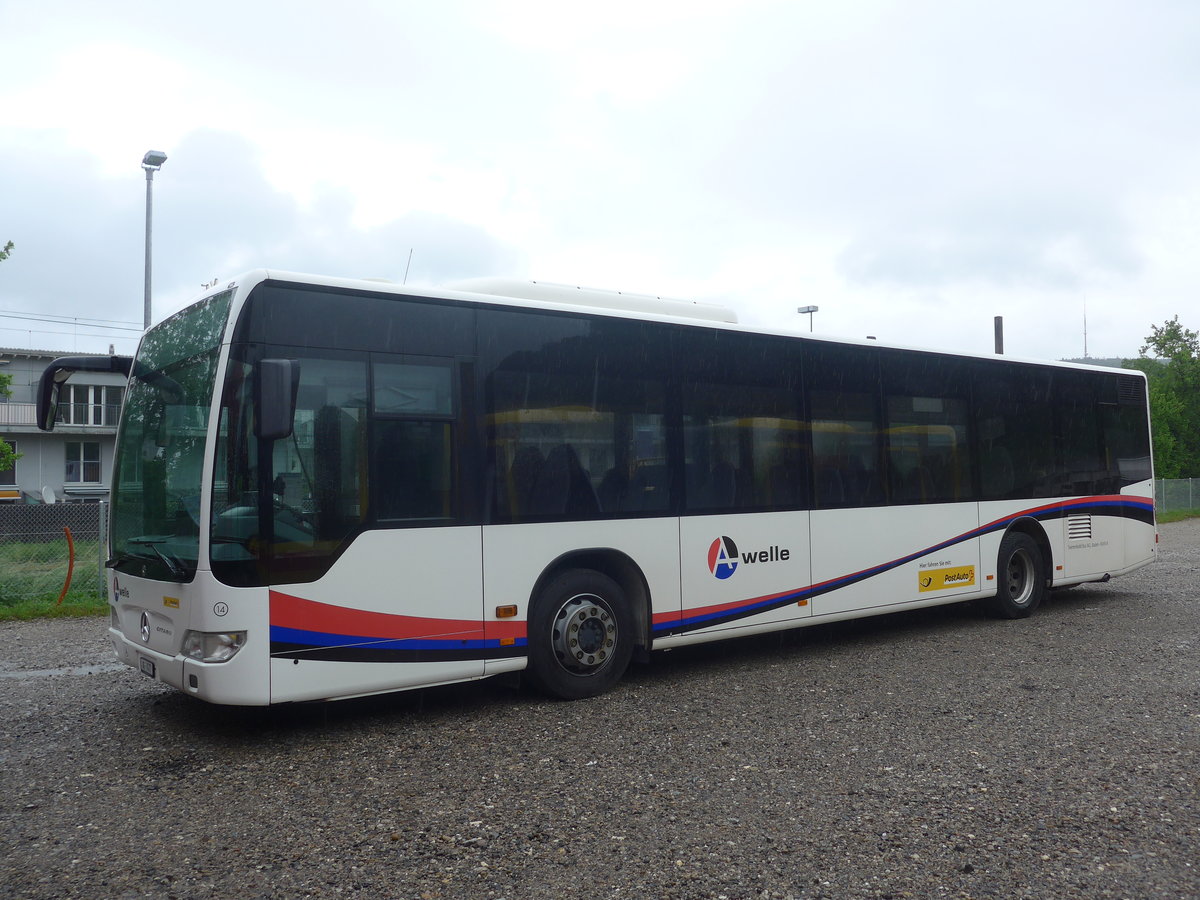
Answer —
327 488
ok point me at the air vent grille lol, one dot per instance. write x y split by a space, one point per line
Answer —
1079 528
1130 391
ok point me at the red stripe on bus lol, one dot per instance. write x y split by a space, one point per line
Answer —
288 611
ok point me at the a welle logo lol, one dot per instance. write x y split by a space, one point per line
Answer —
723 556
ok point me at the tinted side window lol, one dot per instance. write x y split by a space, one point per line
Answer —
743 449
847 432
928 446
283 510
307 316
1077 432
1126 432
1015 427
575 417
413 448
321 468
744 439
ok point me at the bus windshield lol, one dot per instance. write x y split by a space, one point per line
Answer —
160 444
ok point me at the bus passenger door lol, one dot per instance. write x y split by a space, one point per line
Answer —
402 604
400 608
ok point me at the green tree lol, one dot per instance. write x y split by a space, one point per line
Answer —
1171 360
7 458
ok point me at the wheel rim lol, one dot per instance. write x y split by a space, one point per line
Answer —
584 634
1021 578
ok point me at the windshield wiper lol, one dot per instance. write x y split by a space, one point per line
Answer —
118 559
170 562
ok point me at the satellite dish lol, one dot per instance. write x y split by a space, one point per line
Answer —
47 493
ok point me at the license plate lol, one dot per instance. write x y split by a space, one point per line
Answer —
147 666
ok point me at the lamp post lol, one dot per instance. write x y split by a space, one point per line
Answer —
808 311
151 162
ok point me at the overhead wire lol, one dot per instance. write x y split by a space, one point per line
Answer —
81 321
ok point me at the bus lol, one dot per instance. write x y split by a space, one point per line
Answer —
326 488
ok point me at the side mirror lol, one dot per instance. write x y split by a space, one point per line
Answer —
57 373
49 391
276 384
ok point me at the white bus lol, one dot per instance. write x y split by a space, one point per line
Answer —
327 488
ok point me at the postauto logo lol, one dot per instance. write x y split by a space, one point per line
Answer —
723 557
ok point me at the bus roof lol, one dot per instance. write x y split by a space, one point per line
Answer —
567 298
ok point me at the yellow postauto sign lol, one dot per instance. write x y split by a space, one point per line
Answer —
942 579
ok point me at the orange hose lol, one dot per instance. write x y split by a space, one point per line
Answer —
70 565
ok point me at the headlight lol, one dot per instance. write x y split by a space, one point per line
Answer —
213 646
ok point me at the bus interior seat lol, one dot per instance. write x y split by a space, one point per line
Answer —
786 485
613 493
522 477
998 470
331 426
722 483
714 488
830 491
649 488
562 486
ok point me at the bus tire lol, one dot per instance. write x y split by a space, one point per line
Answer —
581 635
1020 578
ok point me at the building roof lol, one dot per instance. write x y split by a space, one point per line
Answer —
26 353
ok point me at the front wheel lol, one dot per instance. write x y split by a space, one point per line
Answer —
580 635
1020 578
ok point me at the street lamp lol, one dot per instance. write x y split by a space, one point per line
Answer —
151 162
808 311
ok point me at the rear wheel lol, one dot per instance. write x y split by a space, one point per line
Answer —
1020 578
580 635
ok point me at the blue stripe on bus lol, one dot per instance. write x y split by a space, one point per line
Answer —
300 643
299 637
1119 507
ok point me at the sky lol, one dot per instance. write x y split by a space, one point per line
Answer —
913 169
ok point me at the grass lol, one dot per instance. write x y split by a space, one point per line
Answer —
23 610
1177 515
32 576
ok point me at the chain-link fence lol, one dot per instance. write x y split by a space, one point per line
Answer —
1176 494
34 553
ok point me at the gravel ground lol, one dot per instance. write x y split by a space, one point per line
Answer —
929 754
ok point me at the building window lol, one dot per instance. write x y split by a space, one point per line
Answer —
83 463
9 478
73 408
90 404
110 407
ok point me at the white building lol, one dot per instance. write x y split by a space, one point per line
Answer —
74 462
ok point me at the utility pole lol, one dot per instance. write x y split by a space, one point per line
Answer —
151 162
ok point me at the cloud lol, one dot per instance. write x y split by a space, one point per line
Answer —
80 235
223 216
1034 241
890 162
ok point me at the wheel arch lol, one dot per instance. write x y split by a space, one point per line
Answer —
1031 527
618 566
